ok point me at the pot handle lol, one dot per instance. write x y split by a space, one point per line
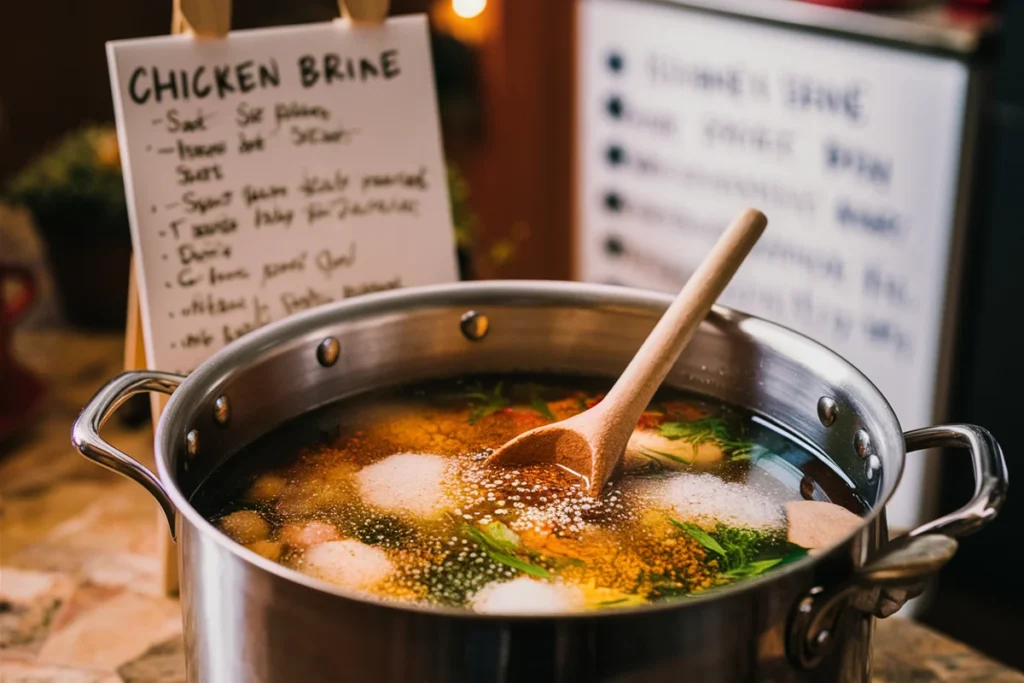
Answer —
990 477
905 565
85 434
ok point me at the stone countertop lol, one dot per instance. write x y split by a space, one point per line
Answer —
79 595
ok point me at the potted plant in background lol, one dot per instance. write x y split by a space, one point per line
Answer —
75 193
464 221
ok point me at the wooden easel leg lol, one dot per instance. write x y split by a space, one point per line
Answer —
135 359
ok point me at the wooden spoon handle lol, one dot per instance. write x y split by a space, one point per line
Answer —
638 383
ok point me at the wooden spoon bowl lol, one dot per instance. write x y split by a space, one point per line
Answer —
592 443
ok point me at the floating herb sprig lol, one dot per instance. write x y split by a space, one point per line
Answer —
485 403
651 453
498 541
742 553
616 601
701 536
663 586
708 430
538 403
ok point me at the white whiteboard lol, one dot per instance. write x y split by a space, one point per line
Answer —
277 170
852 150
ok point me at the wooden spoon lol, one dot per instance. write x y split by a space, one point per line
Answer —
591 444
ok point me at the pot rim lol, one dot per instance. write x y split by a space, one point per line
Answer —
537 292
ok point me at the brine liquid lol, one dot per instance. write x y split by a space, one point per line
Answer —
387 494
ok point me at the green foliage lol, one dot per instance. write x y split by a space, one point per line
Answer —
663 587
75 186
652 453
464 220
501 537
496 542
709 430
484 403
700 536
538 403
743 553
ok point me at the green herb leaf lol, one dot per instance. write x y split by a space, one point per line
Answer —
700 536
791 552
618 601
501 537
650 453
669 590
495 552
480 412
747 451
711 430
752 569
539 404
696 432
516 563
490 403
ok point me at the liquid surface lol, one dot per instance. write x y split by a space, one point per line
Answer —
387 494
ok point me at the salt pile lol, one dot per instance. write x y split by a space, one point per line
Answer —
347 563
407 483
527 596
706 500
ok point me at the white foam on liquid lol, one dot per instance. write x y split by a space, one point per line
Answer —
406 483
347 563
526 595
707 501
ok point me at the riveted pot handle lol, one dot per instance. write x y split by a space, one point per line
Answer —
903 568
906 563
990 477
85 434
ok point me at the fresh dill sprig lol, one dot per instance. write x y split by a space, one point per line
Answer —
709 430
742 553
485 403
538 403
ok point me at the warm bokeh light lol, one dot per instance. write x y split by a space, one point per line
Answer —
467 9
469 21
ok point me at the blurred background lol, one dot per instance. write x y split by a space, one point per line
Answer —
595 140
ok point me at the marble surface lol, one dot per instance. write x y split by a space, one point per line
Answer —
79 594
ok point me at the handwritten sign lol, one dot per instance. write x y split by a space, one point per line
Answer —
852 150
277 170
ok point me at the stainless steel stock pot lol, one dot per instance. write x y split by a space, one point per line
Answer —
249 620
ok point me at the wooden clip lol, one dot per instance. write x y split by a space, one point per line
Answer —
364 11
135 359
207 19
203 18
